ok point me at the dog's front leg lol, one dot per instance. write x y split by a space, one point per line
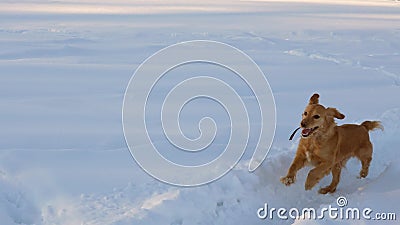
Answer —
297 164
316 174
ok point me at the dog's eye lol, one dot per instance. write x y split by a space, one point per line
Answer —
305 113
316 116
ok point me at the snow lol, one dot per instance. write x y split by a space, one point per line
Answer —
65 66
16 206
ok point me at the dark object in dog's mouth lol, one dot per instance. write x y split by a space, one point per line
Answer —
294 132
307 131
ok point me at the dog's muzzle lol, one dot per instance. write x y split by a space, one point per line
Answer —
307 131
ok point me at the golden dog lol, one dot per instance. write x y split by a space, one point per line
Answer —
327 146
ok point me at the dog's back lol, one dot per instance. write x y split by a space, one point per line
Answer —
354 135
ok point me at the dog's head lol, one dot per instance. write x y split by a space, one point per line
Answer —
316 118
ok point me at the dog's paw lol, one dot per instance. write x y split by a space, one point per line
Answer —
327 189
288 180
363 174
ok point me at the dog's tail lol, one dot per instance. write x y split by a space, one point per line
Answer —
372 125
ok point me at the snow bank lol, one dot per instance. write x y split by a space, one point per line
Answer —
235 198
16 207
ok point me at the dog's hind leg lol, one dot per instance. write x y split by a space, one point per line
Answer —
336 170
365 156
365 167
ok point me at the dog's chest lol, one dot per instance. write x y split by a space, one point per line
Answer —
311 152
308 156
312 158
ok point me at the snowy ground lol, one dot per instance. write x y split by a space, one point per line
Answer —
65 66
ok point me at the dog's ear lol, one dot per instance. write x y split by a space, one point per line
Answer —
335 113
314 99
